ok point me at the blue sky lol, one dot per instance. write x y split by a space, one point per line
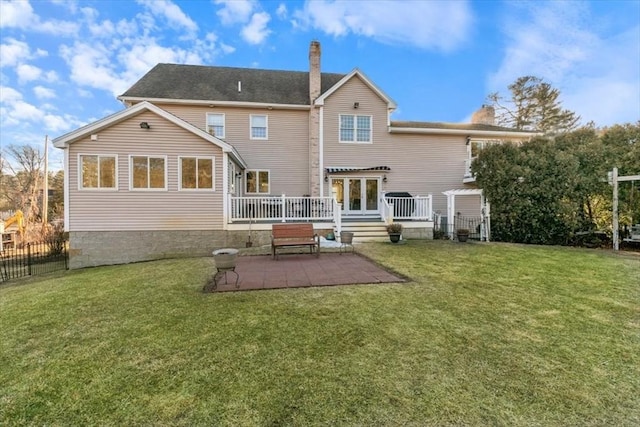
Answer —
63 62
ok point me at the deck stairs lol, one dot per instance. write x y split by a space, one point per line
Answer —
366 229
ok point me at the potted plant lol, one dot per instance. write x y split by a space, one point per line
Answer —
462 234
395 231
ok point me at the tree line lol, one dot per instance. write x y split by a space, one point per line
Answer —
546 190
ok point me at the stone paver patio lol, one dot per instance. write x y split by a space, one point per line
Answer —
304 270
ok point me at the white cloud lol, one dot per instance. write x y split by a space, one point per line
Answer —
596 69
282 12
14 52
256 31
9 95
44 93
235 11
16 14
174 16
19 14
427 25
27 73
91 65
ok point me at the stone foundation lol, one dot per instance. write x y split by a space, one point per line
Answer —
93 248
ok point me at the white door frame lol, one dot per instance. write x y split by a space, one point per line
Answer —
363 194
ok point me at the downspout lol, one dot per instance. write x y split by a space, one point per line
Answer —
225 190
321 150
67 188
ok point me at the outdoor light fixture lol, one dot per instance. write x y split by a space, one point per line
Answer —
356 104
326 178
384 179
144 125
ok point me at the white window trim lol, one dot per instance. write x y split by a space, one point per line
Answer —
224 124
257 171
355 129
154 156
266 120
79 165
213 174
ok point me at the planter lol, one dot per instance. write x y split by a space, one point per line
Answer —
394 237
346 237
225 259
463 235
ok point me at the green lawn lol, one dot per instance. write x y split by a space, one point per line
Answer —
485 334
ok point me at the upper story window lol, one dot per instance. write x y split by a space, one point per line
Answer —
215 124
257 181
477 145
259 127
355 128
196 173
148 172
97 172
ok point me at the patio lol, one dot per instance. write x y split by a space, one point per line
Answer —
303 270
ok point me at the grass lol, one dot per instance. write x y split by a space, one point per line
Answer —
485 334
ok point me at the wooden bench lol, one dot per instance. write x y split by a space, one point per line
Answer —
289 235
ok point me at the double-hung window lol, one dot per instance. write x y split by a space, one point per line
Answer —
196 173
259 126
215 124
148 172
97 172
355 129
257 181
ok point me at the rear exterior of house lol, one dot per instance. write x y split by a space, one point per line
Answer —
209 157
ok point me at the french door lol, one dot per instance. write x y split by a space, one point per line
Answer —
358 196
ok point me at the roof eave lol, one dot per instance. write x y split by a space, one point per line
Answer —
130 100
441 131
391 105
64 140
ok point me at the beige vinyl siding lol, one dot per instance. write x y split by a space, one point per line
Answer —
108 210
420 164
285 154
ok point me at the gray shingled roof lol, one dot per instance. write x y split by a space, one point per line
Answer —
457 126
196 82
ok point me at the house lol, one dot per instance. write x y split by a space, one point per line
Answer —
208 157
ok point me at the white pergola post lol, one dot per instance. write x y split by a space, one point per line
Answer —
613 180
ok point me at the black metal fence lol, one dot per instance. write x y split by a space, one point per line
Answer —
33 258
442 229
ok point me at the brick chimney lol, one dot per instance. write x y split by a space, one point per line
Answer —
314 71
315 179
486 115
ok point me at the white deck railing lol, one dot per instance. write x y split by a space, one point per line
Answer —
414 208
280 208
287 209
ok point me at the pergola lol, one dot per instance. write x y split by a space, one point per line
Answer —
485 209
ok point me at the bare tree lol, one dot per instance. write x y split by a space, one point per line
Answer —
22 179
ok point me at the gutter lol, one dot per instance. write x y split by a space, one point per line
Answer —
131 100
465 132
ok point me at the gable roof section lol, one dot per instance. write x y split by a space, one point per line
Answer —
226 84
73 136
470 129
356 72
